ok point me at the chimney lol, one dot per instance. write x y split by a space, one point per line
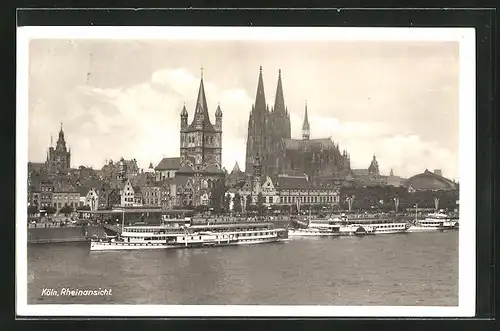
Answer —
438 172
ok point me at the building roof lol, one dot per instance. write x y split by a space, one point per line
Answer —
430 180
169 163
37 179
324 184
213 169
121 184
36 166
185 169
297 144
92 183
289 182
139 180
82 190
61 186
236 169
360 172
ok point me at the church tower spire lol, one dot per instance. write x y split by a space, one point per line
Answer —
279 101
200 142
201 119
58 158
306 130
201 102
260 97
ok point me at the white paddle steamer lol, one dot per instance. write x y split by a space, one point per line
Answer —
181 234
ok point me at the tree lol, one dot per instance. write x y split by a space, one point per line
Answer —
66 210
248 201
260 203
50 210
227 202
84 207
237 203
217 195
32 210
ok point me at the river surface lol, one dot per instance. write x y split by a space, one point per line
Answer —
391 269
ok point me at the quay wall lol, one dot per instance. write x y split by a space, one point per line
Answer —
62 234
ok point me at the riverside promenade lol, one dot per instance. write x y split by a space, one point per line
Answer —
58 234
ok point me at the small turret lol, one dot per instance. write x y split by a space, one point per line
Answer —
184 117
218 118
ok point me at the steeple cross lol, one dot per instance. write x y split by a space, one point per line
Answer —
201 71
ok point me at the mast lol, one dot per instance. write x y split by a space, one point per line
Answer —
123 218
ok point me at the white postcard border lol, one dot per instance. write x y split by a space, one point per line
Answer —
467 263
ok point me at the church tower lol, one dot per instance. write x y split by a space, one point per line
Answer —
257 124
257 174
280 115
373 168
58 158
200 141
306 130
279 128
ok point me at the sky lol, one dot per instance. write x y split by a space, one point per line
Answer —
123 98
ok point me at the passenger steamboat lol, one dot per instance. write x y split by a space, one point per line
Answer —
181 234
434 222
342 226
316 228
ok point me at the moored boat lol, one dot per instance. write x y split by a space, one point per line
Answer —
316 228
434 222
373 228
186 236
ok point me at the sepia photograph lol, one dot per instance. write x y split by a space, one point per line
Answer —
249 171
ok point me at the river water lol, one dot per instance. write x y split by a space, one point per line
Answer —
392 269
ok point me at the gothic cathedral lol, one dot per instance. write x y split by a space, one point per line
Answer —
269 136
266 128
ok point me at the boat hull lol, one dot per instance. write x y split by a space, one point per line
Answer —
416 228
120 246
312 234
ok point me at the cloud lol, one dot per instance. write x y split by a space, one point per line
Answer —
406 154
121 99
142 121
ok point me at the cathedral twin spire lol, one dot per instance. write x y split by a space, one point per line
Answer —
279 101
260 98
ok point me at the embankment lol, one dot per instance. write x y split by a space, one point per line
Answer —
64 234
